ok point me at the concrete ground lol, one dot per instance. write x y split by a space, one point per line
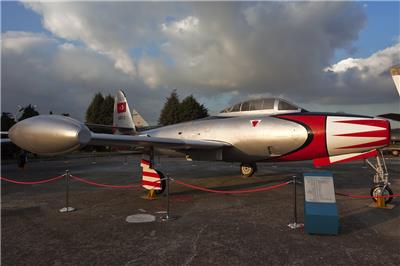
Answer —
211 229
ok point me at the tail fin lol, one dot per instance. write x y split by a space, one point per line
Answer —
138 120
122 120
395 72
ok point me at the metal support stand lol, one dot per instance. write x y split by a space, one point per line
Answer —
151 195
295 225
151 155
67 208
167 217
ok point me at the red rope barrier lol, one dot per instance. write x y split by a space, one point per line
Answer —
32 182
101 185
231 191
367 197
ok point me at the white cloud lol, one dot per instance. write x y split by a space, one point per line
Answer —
224 51
374 65
63 77
182 27
367 79
18 42
210 46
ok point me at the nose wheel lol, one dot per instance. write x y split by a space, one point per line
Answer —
248 169
381 190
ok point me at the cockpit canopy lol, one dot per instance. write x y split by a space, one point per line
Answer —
261 106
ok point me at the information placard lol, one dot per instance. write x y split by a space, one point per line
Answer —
319 188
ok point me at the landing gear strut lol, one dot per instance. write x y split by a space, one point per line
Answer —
248 169
381 178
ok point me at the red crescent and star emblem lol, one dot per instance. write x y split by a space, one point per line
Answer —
121 107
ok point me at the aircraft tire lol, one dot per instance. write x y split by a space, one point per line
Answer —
376 190
163 183
248 169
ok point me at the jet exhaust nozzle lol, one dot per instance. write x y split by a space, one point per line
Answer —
50 134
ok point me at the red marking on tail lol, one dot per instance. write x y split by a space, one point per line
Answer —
121 107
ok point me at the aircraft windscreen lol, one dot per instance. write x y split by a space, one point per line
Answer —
286 106
252 105
256 104
260 104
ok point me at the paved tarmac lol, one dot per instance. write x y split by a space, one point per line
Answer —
211 229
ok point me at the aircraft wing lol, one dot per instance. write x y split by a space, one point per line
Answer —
147 142
52 135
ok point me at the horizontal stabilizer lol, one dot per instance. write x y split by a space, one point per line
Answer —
391 116
325 161
395 72
138 120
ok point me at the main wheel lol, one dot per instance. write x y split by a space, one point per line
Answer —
377 191
248 169
163 183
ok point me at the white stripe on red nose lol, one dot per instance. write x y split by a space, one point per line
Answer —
355 134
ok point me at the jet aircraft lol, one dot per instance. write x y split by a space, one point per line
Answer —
261 130
249 132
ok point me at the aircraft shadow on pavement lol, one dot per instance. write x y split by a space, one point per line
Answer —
368 218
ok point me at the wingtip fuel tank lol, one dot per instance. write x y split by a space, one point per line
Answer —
50 134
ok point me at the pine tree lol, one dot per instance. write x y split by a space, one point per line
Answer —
170 112
94 111
107 110
27 112
190 109
7 121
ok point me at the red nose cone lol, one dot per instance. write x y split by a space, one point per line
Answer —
353 134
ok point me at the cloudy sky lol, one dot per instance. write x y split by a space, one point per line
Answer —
324 56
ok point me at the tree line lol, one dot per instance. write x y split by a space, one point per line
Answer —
175 111
8 119
100 111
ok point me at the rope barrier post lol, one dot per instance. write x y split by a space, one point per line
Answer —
295 224
67 208
167 217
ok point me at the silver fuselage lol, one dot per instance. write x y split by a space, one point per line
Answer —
270 137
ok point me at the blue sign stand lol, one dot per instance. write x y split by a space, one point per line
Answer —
320 210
